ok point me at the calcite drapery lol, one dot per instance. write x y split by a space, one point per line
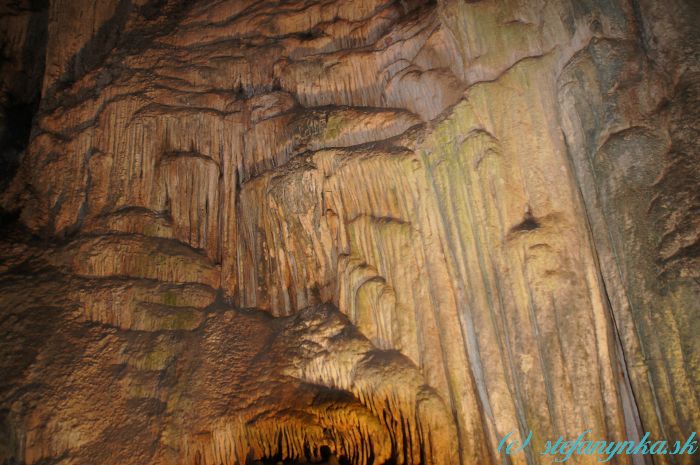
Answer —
498 197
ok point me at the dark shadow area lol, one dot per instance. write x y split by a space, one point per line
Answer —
17 116
21 78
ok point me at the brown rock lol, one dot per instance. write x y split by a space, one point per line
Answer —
374 231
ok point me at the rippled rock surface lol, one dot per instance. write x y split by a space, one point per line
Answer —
236 230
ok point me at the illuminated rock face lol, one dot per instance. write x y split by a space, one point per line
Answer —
401 230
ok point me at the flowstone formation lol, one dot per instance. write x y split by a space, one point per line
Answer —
236 230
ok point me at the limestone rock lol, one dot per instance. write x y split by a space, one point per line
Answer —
401 230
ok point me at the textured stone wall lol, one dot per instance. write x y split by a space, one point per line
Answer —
399 229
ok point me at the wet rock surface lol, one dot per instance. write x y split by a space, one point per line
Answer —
248 230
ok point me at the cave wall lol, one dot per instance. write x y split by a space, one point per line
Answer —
499 198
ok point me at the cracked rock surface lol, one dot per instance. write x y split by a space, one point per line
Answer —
236 230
